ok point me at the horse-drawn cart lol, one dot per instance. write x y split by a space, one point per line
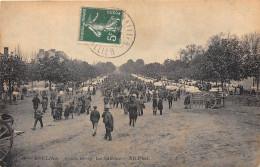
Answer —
6 135
213 99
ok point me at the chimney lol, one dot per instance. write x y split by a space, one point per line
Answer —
6 51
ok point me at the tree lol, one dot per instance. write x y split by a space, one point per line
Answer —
128 67
105 68
32 71
201 68
251 56
12 71
225 55
50 69
153 70
175 69
190 52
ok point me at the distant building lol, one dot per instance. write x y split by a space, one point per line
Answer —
51 53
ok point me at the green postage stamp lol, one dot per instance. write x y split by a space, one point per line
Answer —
101 25
108 33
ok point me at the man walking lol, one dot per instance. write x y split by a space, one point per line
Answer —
160 105
138 105
38 117
109 123
36 101
170 98
88 105
187 102
132 109
174 95
79 105
121 100
106 100
52 106
44 104
94 118
154 105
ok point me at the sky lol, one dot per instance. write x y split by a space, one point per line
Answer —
162 27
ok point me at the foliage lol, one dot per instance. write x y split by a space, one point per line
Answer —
225 58
225 55
251 59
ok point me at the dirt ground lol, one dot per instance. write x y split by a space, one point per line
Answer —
228 136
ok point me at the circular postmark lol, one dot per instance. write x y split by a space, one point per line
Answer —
127 38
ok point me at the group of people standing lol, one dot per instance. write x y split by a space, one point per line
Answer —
132 94
82 104
119 91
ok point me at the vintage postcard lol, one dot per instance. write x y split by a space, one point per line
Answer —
130 83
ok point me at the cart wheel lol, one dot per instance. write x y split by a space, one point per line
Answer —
6 140
210 100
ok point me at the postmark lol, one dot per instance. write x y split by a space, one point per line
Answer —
109 33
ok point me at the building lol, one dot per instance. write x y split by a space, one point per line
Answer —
51 53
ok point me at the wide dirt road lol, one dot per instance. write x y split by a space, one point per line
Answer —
197 137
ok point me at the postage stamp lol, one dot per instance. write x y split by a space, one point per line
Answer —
108 32
101 25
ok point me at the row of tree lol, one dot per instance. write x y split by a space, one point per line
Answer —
55 69
225 57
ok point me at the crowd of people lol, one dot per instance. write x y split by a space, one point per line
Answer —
132 94
119 91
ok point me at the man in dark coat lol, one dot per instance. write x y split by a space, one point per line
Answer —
52 106
138 105
116 101
121 100
165 94
160 105
38 117
106 100
154 105
44 103
170 98
132 109
148 96
94 118
109 123
87 105
36 101
187 102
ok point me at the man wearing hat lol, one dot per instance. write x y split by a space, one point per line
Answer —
36 101
109 123
132 109
38 117
94 118
170 98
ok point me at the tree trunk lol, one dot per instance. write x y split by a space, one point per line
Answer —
10 90
2 85
257 86
49 85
